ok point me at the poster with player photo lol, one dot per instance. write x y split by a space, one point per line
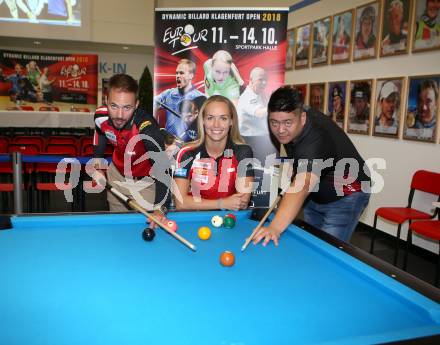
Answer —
337 92
396 16
388 107
342 36
422 108
321 41
366 31
316 96
302 89
302 51
360 106
427 25
290 49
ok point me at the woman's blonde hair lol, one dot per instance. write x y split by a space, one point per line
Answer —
234 133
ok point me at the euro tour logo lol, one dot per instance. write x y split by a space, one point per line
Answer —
73 71
183 36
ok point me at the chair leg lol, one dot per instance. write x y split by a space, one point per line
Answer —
396 250
373 235
437 272
407 248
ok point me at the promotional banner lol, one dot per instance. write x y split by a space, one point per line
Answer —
238 53
48 82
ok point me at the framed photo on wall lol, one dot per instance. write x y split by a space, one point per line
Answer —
321 41
302 89
422 108
426 25
366 31
316 96
290 53
396 28
360 106
342 36
337 95
388 107
302 51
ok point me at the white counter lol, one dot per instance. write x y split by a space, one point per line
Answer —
47 119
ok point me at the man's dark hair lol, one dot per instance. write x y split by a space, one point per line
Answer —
123 82
285 99
428 84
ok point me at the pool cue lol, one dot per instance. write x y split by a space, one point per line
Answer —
163 105
269 211
134 205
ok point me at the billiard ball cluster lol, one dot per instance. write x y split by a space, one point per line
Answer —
228 221
227 258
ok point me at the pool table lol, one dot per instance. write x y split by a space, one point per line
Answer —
92 279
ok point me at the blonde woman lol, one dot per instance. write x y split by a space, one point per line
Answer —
222 76
215 171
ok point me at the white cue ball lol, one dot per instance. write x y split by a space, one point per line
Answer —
217 221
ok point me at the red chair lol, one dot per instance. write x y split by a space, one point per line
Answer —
81 110
85 141
49 108
4 142
87 150
24 148
423 181
27 108
47 172
63 139
429 229
6 184
37 140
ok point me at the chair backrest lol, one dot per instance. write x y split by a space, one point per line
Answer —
426 181
62 140
27 139
49 108
4 142
61 149
26 149
87 150
27 108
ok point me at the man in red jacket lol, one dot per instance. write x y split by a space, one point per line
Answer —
138 168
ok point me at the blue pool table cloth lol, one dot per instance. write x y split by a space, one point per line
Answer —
92 279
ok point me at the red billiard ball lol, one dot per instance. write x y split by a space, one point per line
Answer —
227 259
230 215
172 225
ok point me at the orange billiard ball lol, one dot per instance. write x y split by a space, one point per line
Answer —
204 233
227 259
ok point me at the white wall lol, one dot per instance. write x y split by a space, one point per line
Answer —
123 22
402 157
104 21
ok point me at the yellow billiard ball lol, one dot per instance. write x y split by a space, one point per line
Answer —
204 233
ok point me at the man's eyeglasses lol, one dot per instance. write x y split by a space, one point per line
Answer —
124 108
285 123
